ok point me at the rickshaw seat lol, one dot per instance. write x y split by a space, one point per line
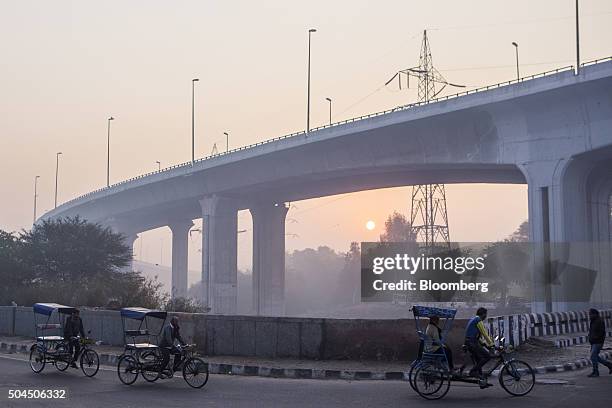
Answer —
140 346
50 338
137 333
48 326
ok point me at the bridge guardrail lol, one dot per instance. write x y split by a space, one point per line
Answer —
343 122
596 61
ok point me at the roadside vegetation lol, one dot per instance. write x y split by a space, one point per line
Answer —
78 263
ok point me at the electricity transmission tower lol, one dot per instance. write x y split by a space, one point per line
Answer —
428 215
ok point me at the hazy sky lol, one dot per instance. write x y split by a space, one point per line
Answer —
66 66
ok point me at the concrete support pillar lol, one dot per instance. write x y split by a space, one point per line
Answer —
545 207
219 254
180 249
600 202
559 229
573 241
269 258
539 234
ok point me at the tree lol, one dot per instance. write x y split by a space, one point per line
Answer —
12 272
132 289
74 262
397 229
73 251
311 280
351 272
348 283
185 305
521 234
507 263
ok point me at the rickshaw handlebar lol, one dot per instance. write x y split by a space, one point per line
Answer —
188 346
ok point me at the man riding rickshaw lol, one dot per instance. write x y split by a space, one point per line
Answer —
478 342
432 373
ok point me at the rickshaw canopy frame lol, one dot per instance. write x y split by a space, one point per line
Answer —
48 308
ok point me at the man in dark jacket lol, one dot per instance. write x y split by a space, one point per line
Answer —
72 329
597 336
171 334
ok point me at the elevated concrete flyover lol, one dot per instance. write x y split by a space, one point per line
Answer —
552 132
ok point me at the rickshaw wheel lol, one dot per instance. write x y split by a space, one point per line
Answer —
37 359
127 369
151 367
195 372
62 360
90 362
415 364
517 378
431 382
61 364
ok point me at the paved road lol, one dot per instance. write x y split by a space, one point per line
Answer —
105 390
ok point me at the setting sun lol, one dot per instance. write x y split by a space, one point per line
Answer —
370 225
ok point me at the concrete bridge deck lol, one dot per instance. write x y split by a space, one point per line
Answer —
551 132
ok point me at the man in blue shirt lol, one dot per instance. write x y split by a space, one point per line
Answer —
476 340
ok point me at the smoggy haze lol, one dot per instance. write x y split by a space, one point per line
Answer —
67 66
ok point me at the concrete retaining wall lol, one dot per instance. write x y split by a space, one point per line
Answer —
306 338
7 320
24 321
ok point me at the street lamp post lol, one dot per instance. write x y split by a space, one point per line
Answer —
57 155
35 196
193 81
518 76
226 141
108 150
312 30
158 165
330 110
577 41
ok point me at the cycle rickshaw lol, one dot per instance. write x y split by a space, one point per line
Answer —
52 348
142 328
431 377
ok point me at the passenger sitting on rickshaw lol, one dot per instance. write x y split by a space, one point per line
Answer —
478 341
72 329
434 332
170 334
